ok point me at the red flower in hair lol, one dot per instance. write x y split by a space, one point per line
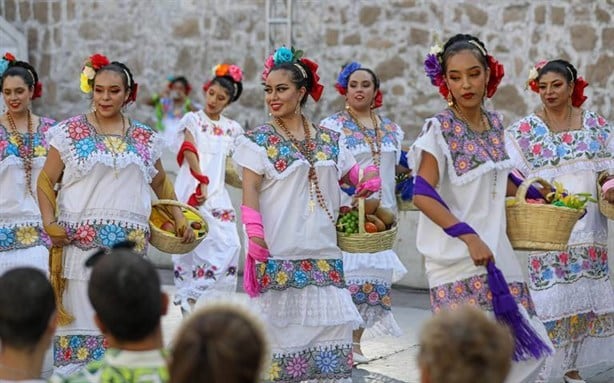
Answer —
316 87
38 90
443 89
496 74
98 61
206 86
133 91
578 97
342 91
8 56
378 100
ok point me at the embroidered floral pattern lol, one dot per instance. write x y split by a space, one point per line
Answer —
78 349
224 215
542 148
282 153
314 364
474 291
372 294
355 138
91 235
551 268
284 274
468 149
9 145
22 237
579 326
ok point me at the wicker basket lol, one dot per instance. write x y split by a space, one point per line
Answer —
539 227
405 205
605 207
363 242
168 242
231 176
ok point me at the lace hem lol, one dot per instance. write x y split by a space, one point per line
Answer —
384 265
310 306
37 162
378 322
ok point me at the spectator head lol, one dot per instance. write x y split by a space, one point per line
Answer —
464 346
221 343
125 292
27 309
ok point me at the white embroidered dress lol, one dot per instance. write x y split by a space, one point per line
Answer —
22 239
309 311
473 170
104 198
369 276
212 266
572 289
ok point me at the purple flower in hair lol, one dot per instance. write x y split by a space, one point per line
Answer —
345 74
433 69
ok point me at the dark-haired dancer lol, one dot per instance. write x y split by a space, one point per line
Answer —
462 162
208 139
291 198
376 142
23 149
572 289
107 163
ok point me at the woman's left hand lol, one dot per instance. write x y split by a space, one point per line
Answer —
609 196
181 227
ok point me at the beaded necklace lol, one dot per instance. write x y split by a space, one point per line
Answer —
111 143
26 153
307 152
376 147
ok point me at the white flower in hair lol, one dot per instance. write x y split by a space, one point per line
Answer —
89 72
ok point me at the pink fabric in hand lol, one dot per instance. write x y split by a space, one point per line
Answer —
252 219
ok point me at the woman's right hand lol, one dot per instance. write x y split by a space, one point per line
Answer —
57 234
204 191
478 250
259 241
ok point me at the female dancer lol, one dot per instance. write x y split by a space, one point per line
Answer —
208 140
572 289
374 141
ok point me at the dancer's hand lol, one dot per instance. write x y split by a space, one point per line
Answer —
478 250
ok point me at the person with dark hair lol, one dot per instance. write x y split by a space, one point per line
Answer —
219 343
375 142
464 346
460 189
108 165
291 172
23 148
208 140
125 292
572 289
171 105
27 324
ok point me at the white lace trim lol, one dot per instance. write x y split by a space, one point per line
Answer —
565 300
37 162
311 306
597 237
22 220
384 265
471 174
378 322
95 216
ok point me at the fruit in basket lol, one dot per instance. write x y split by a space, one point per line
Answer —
386 215
348 222
196 225
371 206
370 227
168 226
379 224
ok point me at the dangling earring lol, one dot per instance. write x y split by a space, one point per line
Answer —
450 100
297 110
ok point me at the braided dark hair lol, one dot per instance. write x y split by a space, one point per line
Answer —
233 88
299 77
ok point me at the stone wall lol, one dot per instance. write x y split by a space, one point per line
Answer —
162 37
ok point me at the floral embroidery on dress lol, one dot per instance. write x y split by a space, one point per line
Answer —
89 235
322 363
542 148
9 145
372 294
284 274
579 326
474 291
552 268
22 237
355 138
282 153
224 215
75 349
468 149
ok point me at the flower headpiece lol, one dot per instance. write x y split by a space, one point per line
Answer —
577 96
8 60
294 56
434 69
344 76
173 79
232 72
88 72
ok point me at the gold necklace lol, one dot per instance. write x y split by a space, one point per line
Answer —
111 144
307 152
25 152
549 124
485 124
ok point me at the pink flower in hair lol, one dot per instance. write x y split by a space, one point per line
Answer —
235 72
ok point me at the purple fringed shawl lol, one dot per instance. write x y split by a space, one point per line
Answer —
528 344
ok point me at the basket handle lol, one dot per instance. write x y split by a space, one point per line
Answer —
521 193
361 207
172 202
